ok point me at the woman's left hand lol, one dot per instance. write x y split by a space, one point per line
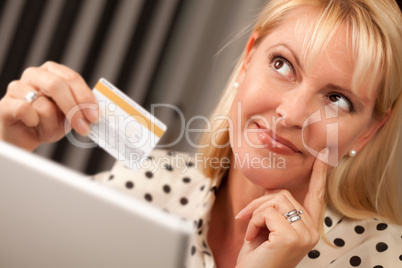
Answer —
271 240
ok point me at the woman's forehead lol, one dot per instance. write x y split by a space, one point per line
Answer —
312 39
316 42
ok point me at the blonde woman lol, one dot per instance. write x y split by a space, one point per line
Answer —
299 167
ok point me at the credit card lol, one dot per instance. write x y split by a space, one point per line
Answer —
125 129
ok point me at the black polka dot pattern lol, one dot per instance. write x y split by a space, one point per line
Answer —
200 222
328 221
166 188
382 226
359 229
381 247
183 201
206 253
129 185
355 243
189 164
148 197
314 254
355 261
169 167
339 242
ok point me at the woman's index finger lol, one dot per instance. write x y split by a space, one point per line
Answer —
315 200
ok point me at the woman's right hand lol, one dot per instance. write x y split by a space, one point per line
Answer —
59 90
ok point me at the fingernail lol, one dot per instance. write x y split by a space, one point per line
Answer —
93 115
82 126
240 213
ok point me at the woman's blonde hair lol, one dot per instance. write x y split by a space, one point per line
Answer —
366 185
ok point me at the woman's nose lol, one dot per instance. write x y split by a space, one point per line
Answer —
295 107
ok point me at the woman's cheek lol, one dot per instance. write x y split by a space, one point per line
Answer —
335 138
319 136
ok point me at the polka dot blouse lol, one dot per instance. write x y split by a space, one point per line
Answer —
172 182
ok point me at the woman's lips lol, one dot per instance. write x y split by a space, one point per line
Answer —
276 143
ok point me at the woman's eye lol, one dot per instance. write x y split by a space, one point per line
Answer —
341 101
283 67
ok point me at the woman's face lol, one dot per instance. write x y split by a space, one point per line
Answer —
283 114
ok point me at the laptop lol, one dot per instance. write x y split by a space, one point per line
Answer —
51 216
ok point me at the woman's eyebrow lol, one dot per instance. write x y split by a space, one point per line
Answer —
296 58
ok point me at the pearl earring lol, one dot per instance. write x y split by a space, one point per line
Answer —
352 153
236 85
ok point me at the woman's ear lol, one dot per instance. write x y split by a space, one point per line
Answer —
250 48
366 136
